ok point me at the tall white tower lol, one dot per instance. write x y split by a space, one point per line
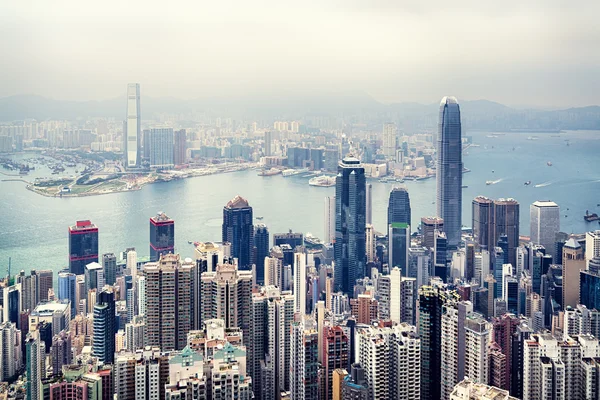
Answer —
329 219
300 282
544 224
132 133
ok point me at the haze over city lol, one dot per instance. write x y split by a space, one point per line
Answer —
526 54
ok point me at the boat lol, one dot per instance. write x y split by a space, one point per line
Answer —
292 172
259 218
549 163
399 180
269 172
532 138
527 183
464 186
590 217
322 181
489 182
190 242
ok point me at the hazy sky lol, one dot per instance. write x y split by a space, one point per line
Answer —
533 52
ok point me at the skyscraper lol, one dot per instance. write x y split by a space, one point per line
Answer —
268 143
398 244
33 362
109 264
161 148
171 301
300 281
449 169
572 263
544 224
483 222
180 147
304 365
83 246
506 222
162 236
369 204
349 246
389 140
329 219
67 289
261 244
239 231
399 206
132 134
428 227
104 327
10 352
45 282
336 345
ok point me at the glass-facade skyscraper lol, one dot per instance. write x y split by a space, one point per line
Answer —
239 231
350 209
83 246
162 236
261 244
399 206
449 169
103 345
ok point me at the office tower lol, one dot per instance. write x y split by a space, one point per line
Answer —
269 342
335 355
510 295
161 148
592 246
453 344
29 290
11 303
94 276
239 231
226 294
329 219
544 224
290 238
431 301
171 301
589 289
131 264
428 227
449 169
261 243
469 262
370 243
83 246
398 244
369 204
109 266
104 327
506 222
572 263
45 278
60 352
67 290
162 236
180 147
477 332
391 360
469 390
132 131
389 140
440 255
483 222
268 143
399 206
10 351
304 365
300 282
349 246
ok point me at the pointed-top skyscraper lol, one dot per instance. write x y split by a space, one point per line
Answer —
350 209
239 231
449 169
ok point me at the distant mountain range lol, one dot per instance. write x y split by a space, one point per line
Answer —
353 108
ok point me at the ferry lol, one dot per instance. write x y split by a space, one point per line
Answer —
527 183
489 182
322 181
549 163
269 172
292 172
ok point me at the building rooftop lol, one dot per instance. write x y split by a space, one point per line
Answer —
237 202
46 309
572 243
544 203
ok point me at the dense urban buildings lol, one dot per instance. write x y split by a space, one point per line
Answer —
450 169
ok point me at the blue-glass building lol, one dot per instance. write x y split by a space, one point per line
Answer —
103 345
350 211
449 169
399 206
66 289
162 236
589 290
261 244
83 246
238 229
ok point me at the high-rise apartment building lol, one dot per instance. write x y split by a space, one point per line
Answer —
483 222
171 301
10 351
449 169
226 294
329 219
389 140
592 246
33 362
162 236
132 131
304 363
477 332
349 246
239 231
399 206
336 346
544 220
300 281
180 147
161 148
83 246
268 143
269 347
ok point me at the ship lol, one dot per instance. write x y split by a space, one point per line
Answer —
322 181
292 172
549 163
590 217
269 172
527 183
489 182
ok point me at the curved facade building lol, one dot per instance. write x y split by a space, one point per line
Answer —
449 169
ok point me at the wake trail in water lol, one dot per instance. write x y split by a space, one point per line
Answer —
539 185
